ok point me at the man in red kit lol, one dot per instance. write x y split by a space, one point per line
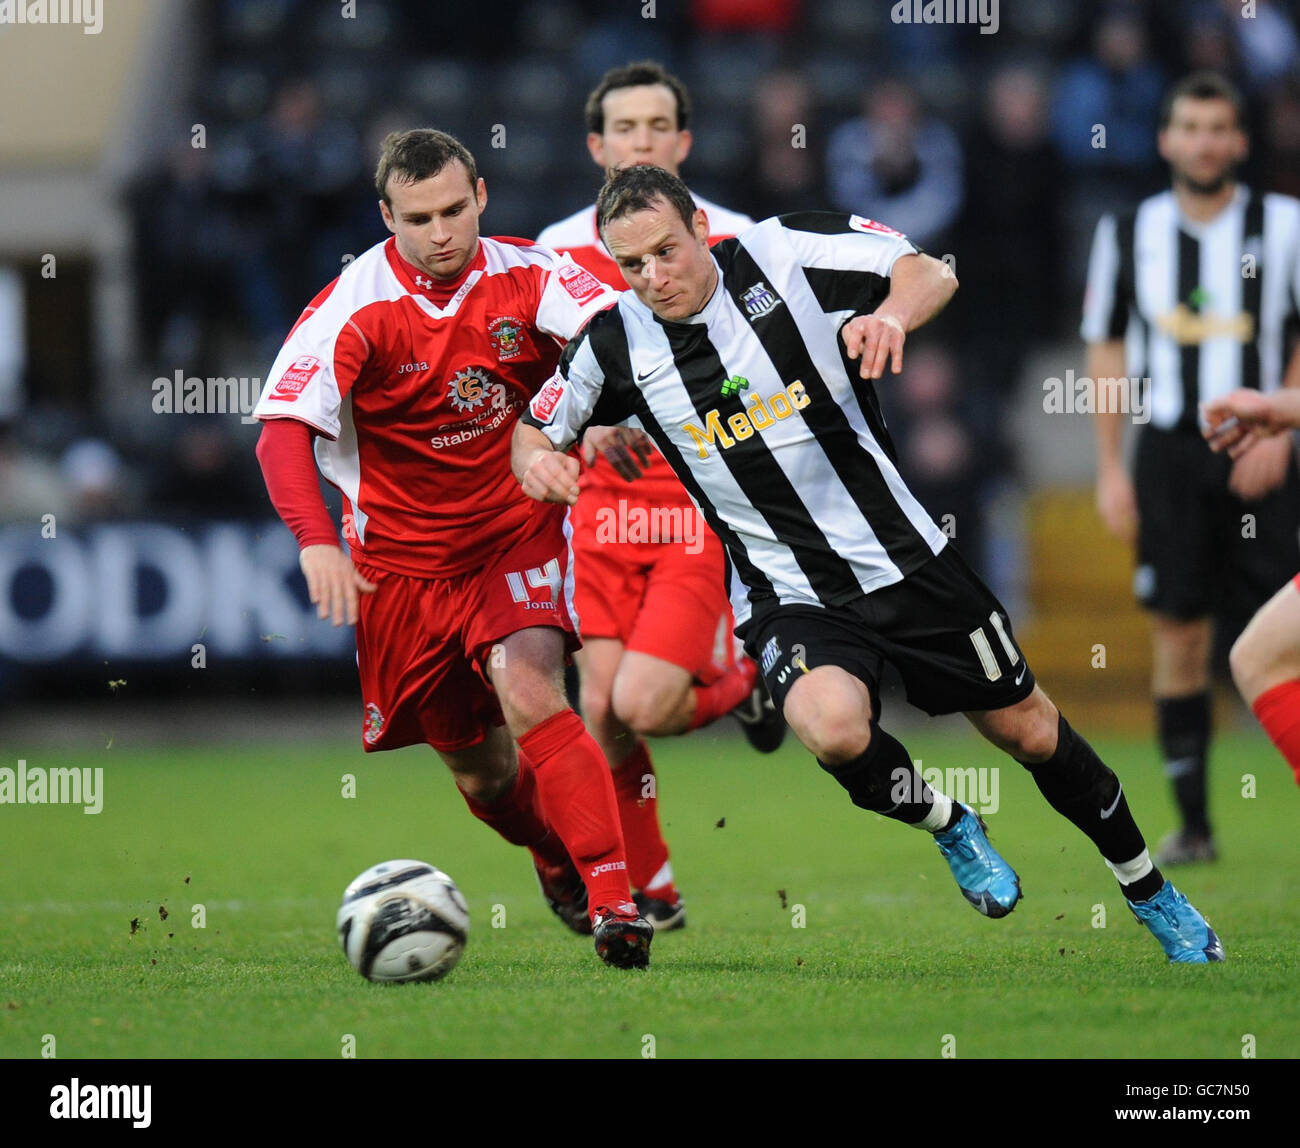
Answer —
405 377
658 655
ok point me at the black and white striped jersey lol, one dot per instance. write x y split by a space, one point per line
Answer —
756 407
1203 307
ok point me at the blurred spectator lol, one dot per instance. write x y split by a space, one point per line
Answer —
775 16
181 254
945 460
291 185
1266 41
99 486
784 172
207 473
1008 245
897 165
32 484
1280 165
1117 88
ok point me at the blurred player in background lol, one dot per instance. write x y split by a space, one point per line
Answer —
1194 290
1266 658
405 376
657 653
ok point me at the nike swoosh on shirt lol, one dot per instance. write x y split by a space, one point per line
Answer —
643 375
1020 677
1105 813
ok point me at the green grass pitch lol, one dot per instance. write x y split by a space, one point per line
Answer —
890 961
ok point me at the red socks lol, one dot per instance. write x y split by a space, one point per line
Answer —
711 702
577 798
517 816
1278 710
638 809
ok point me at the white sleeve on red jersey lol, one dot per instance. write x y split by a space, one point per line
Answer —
323 355
570 295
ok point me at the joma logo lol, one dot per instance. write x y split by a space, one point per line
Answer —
757 416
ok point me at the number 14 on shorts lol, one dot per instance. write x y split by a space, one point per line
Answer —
519 581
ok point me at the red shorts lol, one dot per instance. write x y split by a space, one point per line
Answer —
654 577
424 644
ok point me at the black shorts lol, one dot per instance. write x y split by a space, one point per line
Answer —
941 628
1199 555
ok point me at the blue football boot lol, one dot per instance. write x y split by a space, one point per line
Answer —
1183 933
983 876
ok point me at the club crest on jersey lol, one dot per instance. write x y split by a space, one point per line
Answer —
468 388
296 377
758 300
507 337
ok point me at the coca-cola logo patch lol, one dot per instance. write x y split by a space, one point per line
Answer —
547 399
580 283
296 377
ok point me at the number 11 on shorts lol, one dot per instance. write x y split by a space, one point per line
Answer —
980 641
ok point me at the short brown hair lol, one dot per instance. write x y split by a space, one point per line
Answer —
418 154
636 188
1203 86
635 76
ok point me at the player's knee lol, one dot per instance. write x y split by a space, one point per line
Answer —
1243 662
833 733
645 704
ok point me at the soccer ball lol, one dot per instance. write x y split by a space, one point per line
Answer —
403 921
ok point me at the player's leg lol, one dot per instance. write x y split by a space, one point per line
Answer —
609 590
1180 490
1184 704
573 778
821 676
955 647
1084 790
1265 663
517 628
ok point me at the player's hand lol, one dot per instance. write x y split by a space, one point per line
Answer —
626 449
876 339
1261 469
334 584
552 477
1236 422
1117 503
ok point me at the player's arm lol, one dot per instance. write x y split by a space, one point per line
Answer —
575 397
920 287
1105 320
303 396
1116 497
870 275
1238 420
284 451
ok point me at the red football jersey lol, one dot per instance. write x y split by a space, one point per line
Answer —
578 238
416 402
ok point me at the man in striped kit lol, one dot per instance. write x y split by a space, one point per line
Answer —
750 367
1194 291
